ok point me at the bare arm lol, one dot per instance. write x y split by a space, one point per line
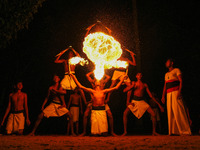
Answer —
89 78
114 88
60 91
107 78
7 110
81 105
69 103
83 96
26 109
164 92
153 98
63 101
75 52
180 85
58 60
80 86
133 62
46 99
88 29
129 87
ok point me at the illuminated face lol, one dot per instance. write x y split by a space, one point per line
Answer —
168 63
97 83
19 85
139 76
56 79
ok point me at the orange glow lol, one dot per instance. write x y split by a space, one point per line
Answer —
77 60
103 50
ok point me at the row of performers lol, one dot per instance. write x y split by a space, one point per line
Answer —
178 120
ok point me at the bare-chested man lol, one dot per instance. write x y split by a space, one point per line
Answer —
74 106
103 82
119 72
67 82
17 106
138 106
99 123
57 107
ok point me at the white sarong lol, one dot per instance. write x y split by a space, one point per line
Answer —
177 118
99 123
15 122
75 113
68 83
52 110
138 108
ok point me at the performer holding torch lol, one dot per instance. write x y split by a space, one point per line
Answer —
67 82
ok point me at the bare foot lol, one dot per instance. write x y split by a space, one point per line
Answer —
83 134
155 134
124 134
113 134
31 134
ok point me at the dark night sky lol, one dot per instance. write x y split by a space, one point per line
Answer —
166 29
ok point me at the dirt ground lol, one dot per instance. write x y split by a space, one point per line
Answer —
87 142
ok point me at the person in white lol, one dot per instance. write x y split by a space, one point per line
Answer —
178 123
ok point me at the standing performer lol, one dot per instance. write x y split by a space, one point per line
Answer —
138 106
74 105
178 123
17 106
118 73
103 82
155 108
57 107
99 123
67 82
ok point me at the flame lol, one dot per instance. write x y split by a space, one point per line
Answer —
103 50
77 60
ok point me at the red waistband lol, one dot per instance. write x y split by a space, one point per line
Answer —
176 88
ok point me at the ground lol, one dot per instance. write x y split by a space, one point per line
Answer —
87 142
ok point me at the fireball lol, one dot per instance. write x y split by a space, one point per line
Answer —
103 50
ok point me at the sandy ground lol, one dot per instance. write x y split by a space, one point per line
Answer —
87 142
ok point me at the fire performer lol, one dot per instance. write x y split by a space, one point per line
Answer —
67 82
98 27
99 123
57 107
103 82
17 106
138 106
119 72
178 123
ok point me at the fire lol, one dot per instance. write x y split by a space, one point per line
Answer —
103 50
77 60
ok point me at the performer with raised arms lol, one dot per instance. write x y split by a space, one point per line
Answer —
99 123
67 82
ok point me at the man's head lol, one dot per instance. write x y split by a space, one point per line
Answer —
76 90
97 83
70 54
169 63
56 78
19 85
139 76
